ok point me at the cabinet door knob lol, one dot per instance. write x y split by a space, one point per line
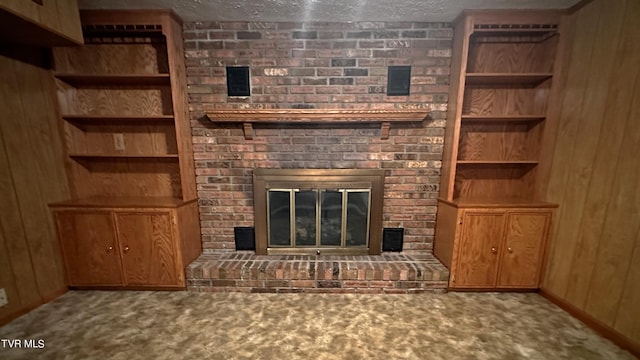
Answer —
510 250
494 250
126 249
109 249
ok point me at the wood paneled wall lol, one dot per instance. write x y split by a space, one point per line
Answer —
31 176
594 255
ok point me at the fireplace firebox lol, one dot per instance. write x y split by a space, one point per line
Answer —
318 211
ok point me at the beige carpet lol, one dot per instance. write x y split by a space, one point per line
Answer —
186 325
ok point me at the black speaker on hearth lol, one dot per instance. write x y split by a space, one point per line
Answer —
245 238
392 239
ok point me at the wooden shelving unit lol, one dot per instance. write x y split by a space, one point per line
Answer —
130 163
491 226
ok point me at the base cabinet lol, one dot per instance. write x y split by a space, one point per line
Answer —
522 252
125 247
90 247
499 248
148 248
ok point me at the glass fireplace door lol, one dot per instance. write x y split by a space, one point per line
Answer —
318 218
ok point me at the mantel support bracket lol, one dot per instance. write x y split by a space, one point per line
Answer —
248 130
385 127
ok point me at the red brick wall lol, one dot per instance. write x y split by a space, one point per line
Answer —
319 65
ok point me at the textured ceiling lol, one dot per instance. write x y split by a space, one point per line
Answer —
323 10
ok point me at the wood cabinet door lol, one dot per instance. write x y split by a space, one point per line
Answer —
89 248
480 240
522 252
148 249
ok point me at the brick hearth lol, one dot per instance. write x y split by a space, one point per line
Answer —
247 272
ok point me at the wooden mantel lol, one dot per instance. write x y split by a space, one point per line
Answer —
247 117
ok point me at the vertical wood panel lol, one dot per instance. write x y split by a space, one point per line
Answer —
629 311
558 269
8 280
593 119
32 174
596 261
621 225
613 112
10 219
30 132
555 105
15 260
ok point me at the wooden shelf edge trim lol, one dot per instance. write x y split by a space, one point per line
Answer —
125 156
497 162
123 202
117 117
497 203
114 79
501 118
506 78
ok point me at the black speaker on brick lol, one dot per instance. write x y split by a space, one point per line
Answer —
392 239
238 81
398 80
245 238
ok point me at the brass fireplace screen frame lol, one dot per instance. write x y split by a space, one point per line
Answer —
266 179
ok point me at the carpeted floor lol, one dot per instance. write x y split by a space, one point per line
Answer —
187 325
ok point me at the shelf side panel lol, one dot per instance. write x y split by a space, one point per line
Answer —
455 107
180 101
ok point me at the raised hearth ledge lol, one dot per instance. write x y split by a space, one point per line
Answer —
311 116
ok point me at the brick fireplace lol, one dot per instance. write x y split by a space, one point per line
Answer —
300 65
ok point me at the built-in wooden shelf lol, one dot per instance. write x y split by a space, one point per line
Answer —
123 202
116 119
497 162
247 117
114 79
502 118
130 156
497 203
506 78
